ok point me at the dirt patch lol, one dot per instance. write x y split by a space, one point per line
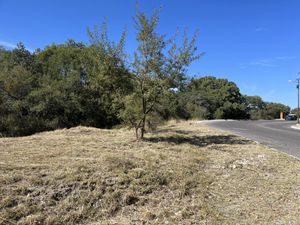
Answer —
184 173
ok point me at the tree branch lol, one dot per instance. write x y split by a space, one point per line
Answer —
8 94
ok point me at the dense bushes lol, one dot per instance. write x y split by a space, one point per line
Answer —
72 84
60 86
258 109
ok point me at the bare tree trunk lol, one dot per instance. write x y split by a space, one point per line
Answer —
143 120
140 128
137 133
143 127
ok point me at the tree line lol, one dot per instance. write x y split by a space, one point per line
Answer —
95 84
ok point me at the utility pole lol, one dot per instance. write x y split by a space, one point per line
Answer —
298 82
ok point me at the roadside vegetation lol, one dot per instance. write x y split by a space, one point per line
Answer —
95 84
184 173
61 163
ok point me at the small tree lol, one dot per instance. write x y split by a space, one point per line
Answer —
159 66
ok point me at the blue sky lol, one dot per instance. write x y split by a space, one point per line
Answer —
255 43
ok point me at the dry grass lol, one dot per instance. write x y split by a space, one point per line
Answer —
185 173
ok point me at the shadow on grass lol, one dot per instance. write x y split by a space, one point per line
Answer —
200 141
174 131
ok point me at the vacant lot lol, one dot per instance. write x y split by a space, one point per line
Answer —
185 173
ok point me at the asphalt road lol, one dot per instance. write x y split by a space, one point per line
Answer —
276 134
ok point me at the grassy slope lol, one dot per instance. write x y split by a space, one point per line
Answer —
183 174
